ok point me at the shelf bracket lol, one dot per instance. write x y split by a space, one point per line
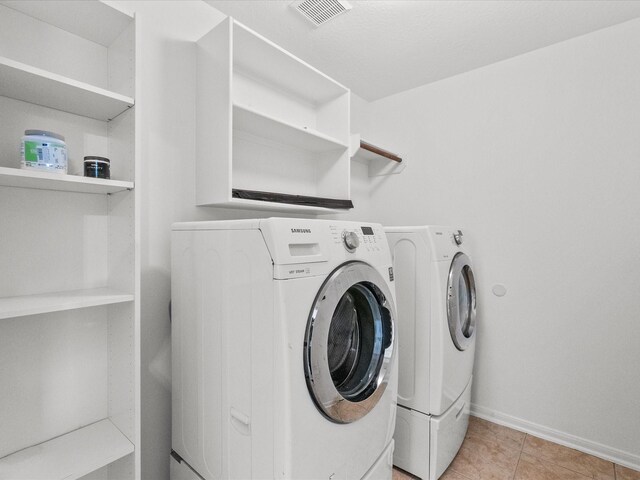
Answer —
380 161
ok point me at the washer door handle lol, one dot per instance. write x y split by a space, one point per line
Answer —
387 327
240 421
241 417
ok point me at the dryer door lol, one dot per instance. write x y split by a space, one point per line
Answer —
461 301
349 342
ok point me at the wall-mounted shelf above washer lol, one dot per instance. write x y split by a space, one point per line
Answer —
380 160
273 131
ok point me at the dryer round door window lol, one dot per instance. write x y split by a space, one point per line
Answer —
461 301
349 342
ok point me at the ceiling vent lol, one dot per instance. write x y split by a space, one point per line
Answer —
321 11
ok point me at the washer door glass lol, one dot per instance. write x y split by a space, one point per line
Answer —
349 342
461 301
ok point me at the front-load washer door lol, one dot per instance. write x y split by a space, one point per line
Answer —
349 342
461 301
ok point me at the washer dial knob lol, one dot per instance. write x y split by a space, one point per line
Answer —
351 241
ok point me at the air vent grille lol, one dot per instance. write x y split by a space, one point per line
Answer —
321 11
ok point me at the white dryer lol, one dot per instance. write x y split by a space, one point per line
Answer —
283 350
436 300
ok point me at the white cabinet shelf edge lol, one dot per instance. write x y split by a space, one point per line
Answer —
11 307
244 203
34 85
69 456
14 177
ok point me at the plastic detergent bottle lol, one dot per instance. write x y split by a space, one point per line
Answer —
42 150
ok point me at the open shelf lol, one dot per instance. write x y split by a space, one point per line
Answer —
11 307
14 177
34 85
94 21
260 58
69 456
263 125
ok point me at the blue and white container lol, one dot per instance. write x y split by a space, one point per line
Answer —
45 151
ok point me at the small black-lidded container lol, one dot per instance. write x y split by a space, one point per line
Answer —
97 167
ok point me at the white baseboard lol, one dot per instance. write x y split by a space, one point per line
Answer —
620 457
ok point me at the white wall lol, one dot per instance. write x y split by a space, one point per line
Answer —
166 61
168 30
360 182
537 158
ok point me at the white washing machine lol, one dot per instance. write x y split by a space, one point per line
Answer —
283 350
436 300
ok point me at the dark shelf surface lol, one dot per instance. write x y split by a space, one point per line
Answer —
292 199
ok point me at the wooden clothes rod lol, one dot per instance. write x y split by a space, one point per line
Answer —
379 151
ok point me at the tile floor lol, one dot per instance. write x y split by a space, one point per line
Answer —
495 452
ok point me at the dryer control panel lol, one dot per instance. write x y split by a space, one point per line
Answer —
445 242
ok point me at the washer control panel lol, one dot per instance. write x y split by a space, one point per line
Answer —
366 238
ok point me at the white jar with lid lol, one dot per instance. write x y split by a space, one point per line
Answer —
45 151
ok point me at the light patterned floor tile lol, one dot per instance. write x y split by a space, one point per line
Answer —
484 459
451 475
493 452
532 468
569 458
624 473
447 475
506 436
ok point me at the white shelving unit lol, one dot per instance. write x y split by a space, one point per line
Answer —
273 132
12 177
69 315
